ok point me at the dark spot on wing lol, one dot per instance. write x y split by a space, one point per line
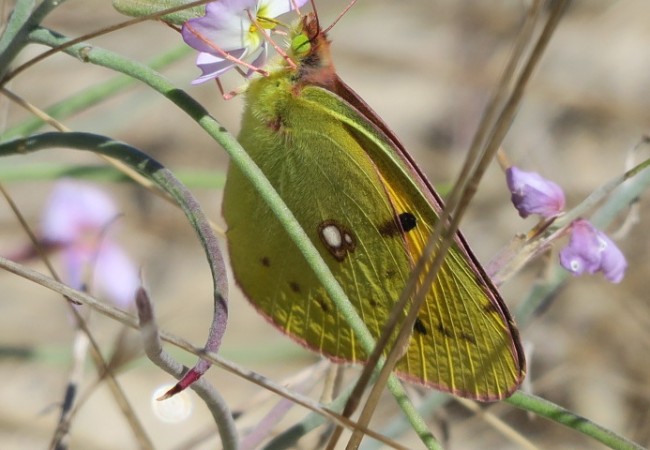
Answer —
468 338
295 287
460 335
389 228
490 307
444 331
419 327
323 304
399 225
407 221
266 262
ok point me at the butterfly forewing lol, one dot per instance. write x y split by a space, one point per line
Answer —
464 340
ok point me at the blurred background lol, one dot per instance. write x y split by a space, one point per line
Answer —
427 68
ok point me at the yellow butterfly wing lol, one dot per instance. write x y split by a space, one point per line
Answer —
369 211
464 340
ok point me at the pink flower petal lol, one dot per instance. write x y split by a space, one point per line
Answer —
582 255
115 275
613 262
590 251
74 207
225 24
213 66
534 194
275 8
227 27
75 218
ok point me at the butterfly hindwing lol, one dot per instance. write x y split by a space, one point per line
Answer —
369 215
338 213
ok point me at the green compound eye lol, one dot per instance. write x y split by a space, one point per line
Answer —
300 45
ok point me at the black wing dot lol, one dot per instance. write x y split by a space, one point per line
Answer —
323 304
407 221
399 225
419 327
444 331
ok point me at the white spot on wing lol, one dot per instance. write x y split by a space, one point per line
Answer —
338 240
332 236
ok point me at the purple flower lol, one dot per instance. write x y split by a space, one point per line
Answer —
591 251
73 209
226 32
533 194
75 220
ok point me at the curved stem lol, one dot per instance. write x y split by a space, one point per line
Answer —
157 173
259 182
545 408
23 20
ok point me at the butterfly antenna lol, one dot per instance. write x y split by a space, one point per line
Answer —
267 38
347 8
315 11
295 7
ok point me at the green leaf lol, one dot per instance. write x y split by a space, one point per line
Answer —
140 8
206 179
93 95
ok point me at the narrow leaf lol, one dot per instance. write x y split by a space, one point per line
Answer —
140 8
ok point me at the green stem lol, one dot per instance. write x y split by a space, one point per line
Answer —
155 172
52 171
629 187
140 8
16 22
21 23
93 95
544 408
238 155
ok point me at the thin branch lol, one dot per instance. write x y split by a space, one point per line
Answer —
98 359
154 351
129 320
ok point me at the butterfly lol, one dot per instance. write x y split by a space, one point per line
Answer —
369 211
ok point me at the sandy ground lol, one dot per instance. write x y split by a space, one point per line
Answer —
427 68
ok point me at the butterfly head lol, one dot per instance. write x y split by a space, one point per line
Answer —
310 48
